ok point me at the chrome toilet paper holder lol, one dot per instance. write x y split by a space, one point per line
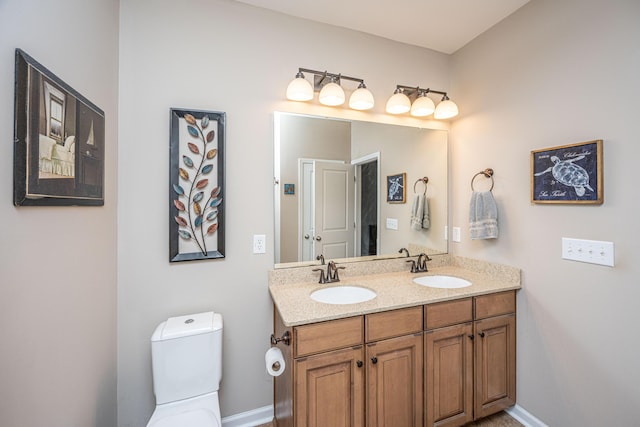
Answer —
285 338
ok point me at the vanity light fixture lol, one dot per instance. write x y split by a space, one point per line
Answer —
331 92
416 101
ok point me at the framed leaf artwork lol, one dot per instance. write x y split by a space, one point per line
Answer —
196 188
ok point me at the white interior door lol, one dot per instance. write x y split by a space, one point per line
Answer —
306 231
334 204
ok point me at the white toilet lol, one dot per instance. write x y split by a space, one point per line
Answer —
186 355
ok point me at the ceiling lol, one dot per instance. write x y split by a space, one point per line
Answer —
441 25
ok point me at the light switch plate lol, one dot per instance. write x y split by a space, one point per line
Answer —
456 234
590 251
392 223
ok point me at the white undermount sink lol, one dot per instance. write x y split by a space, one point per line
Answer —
446 282
343 295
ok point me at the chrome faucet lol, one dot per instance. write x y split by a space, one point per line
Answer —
421 266
405 251
332 272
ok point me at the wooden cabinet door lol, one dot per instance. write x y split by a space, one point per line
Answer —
394 382
449 376
495 364
329 389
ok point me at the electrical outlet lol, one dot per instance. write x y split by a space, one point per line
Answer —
446 232
590 251
259 244
456 234
392 224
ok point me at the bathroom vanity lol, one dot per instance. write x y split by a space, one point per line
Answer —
412 356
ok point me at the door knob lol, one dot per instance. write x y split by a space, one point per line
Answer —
318 238
306 236
481 334
359 363
374 360
470 336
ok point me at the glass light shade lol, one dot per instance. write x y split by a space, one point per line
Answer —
446 109
300 90
422 106
331 95
361 99
399 103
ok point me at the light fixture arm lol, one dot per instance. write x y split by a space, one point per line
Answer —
320 77
414 91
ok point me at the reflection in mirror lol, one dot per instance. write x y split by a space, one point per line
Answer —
331 189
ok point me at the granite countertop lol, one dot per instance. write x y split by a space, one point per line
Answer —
394 290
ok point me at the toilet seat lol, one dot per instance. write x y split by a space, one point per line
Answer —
201 411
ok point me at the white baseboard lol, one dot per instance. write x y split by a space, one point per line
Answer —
252 418
264 415
524 417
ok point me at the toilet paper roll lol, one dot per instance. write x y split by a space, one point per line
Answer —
274 361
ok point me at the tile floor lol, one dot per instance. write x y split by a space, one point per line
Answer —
501 419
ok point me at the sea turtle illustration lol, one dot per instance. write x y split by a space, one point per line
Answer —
568 173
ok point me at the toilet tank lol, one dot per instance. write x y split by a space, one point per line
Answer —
186 355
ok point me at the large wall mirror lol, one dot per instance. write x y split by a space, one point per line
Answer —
332 179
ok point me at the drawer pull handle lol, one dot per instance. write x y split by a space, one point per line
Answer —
481 334
374 360
359 363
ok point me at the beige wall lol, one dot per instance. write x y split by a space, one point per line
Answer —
58 264
223 56
557 73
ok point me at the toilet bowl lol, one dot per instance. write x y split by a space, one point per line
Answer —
202 411
186 355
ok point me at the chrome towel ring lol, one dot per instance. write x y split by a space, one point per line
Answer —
488 173
424 180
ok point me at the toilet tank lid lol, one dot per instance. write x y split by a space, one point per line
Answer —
183 326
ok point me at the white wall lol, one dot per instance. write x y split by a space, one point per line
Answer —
556 73
222 56
58 264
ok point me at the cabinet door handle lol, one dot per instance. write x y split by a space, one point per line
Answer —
374 360
359 363
481 334
470 336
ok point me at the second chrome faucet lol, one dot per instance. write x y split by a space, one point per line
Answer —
420 265
332 273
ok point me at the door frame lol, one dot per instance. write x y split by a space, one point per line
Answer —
358 194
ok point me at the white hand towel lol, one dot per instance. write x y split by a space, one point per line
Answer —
483 216
426 219
417 211
420 219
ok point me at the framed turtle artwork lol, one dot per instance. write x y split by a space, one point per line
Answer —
569 174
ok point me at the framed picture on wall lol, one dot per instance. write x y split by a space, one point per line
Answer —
568 174
396 188
59 140
196 188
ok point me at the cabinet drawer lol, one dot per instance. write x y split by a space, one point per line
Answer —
495 304
394 323
448 313
325 336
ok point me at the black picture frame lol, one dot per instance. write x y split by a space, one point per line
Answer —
58 158
568 174
396 188
197 184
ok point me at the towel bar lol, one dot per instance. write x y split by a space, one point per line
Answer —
424 180
488 173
